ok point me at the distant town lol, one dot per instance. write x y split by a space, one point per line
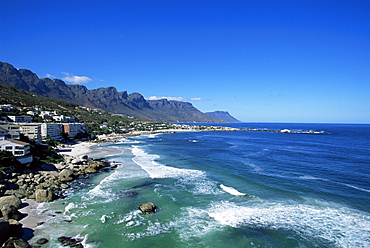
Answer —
40 126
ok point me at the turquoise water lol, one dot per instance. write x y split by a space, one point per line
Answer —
225 189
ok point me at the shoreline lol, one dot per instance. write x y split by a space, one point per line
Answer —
79 149
30 208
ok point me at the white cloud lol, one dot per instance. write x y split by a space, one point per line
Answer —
49 75
174 98
76 79
166 97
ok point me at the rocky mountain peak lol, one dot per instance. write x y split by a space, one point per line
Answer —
108 98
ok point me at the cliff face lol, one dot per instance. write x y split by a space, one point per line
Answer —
108 99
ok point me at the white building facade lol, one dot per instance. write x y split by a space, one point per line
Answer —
51 130
31 131
21 150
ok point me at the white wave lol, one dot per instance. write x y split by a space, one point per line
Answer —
307 177
355 187
70 206
157 170
342 226
152 136
104 218
231 190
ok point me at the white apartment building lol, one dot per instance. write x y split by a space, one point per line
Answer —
13 130
51 130
63 118
73 128
21 150
32 131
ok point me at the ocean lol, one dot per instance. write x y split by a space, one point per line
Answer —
224 189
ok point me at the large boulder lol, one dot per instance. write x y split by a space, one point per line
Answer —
15 242
66 175
69 241
94 165
15 228
11 212
4 230
44 195
10 200
147 208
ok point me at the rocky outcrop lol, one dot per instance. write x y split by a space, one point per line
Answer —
45 186
15 242
147 208
10 200
66 175
10 229
10 212
71 242
44 195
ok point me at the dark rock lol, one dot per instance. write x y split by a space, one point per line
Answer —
147 208
4 230
48 167
84 156
42 241
15 229
69 241
11 212
15 242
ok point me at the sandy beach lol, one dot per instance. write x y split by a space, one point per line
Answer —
76 150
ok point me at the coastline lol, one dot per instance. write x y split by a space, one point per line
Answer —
106 217
34 212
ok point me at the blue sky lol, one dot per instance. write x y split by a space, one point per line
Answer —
261 60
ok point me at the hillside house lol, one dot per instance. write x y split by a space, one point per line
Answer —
16 118
21 150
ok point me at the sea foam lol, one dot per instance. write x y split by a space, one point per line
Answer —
157 170
343 227
231 190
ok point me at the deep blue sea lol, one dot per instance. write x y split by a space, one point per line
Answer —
226 189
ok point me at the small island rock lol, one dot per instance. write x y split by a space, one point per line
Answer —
147 208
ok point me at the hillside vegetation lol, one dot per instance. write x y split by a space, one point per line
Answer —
22 98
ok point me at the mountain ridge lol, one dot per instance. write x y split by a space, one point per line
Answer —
108 99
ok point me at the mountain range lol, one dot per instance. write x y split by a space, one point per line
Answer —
108 99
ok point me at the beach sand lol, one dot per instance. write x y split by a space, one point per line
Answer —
30 210
78 149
